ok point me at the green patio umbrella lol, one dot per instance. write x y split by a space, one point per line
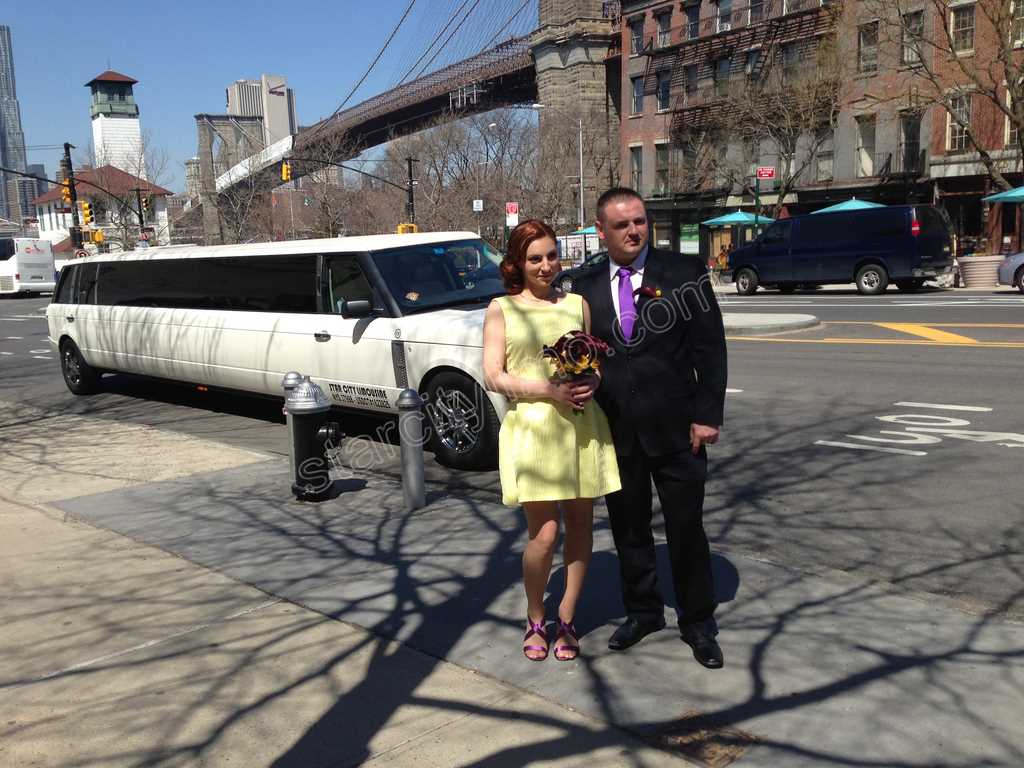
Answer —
591 230
1009 196
736 218
853 204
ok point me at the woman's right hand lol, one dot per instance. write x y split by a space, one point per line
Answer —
564 393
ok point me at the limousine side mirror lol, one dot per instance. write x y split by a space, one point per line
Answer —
355 307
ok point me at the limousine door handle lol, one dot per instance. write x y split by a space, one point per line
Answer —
70 318
322 336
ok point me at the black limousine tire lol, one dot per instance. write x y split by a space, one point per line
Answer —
80 377
1019 279
872 279
462 422
746 282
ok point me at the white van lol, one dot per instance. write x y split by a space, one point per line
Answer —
365 317
26 265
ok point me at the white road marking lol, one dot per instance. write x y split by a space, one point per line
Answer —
6 353
14 319
42 357
733 391
942 407
14 338
26 317
38 351
862 447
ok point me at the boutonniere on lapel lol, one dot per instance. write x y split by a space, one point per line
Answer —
648 291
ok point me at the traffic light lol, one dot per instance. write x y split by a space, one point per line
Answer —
408 229
286 171
65 191
97 236
86 213
145 206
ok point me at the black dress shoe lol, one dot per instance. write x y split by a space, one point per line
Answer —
633 631
701 638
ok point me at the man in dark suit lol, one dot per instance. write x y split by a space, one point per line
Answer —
663 390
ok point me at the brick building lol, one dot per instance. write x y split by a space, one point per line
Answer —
892 136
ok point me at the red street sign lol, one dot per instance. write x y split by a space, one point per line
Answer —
511 208
765 172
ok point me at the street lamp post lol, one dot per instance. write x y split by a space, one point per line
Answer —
582 223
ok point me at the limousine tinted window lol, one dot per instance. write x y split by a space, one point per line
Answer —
253 284
86 286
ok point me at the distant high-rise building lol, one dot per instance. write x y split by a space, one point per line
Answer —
192 180
116 131
269 98
12 138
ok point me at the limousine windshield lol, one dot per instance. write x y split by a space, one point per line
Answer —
434 275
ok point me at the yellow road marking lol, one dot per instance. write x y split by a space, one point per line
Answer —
924 331
930 325
897 342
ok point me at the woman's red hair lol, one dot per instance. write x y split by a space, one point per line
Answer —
515 257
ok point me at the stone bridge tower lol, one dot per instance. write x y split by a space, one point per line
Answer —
570 48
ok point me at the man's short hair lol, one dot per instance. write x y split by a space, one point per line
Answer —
614 195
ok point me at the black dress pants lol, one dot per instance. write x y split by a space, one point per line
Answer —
679 479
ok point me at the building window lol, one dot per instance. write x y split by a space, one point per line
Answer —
636 167
756 11
691 79
693 22
664 84
867 48
825 157
957 121
722 67
962 28
790 60
909 156
724 15
1017 22
866 146
753 62
636 37
913 32
664 30
661 166
1012 125
638 95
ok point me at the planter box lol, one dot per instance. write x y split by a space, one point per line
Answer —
980 271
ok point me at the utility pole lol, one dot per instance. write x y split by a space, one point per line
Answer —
76 230
582 222
410 203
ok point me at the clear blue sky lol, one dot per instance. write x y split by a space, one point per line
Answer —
185 54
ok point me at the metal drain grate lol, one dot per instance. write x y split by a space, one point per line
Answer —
702 739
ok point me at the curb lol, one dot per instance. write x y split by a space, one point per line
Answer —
746 323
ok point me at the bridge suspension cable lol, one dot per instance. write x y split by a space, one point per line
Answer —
433 42
507 23
423 69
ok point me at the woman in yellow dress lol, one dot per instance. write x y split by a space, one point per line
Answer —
555 447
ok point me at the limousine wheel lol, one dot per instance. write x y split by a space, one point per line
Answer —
746 282
464 426
1020 279
871 279
80 377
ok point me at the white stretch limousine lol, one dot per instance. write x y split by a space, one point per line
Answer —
365 317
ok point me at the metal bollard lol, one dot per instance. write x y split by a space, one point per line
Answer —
291 380
410 432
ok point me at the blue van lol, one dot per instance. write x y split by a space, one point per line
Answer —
872 247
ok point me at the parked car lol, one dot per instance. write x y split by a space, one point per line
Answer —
1011 271
902 244
564 280
364 317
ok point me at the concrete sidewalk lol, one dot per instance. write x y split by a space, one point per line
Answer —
260 635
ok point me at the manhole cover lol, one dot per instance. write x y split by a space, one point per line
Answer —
702 739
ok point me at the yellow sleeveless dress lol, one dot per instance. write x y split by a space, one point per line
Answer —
549 452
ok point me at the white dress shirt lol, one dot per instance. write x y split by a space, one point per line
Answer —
635 279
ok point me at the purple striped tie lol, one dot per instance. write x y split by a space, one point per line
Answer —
627 304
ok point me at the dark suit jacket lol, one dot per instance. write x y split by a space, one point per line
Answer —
672 373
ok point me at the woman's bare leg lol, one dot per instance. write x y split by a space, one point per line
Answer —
542 523
579 543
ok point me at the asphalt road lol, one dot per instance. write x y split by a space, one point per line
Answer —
889 441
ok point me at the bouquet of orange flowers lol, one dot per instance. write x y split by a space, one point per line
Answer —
576 355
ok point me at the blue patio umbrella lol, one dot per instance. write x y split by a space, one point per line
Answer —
591 230
853 204
1008 196
736 218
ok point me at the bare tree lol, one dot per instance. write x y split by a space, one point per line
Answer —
966 61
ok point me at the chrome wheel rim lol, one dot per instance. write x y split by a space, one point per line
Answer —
743 283
72 370
454 418
871 279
